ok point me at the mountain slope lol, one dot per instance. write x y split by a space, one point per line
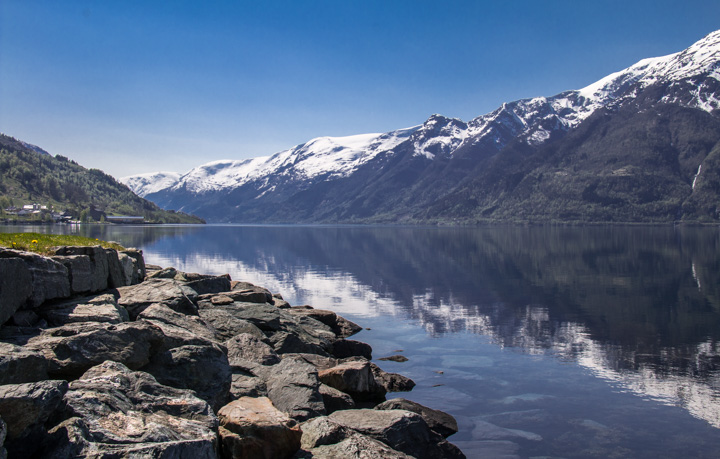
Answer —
638 145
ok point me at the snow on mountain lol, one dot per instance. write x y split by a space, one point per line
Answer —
144 184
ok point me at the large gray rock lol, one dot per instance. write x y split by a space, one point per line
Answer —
344 348
179 329
293 343
112 411
136 272
246 347
246 384
72 349
392 382
354 378
3 434
226 323
171 293
402 430
335 400
21 365
254 428
50 278
439 421
80 272
342 327
15 286
252 293
202 368
99 308
116 273
204 284
99 271
294 388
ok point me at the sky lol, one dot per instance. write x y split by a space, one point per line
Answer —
131 87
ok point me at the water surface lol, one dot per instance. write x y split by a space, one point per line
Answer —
541 341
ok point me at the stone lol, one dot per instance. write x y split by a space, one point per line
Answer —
402 430
335 400
100 308
294 388
15 286
99 271
73 348
253 427
116 273
342 327
344 348
79 271
201 368
162 273
245 347
284 343
225 324
179 329
246 384
171 293
27 318
3 434
253 293
128 267
392 382
395 358
23 406
21 365
354 378
138 269
50 279
210 284
439 421
356 446
112 411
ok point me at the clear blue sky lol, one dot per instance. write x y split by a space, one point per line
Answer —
140 86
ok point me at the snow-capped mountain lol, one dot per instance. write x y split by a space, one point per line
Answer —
423 172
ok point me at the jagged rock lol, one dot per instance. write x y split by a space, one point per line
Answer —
115 412
100 269
264 316
161 273
25 408
27 318
21 365
171 293
402 430
246 384
284 343
344 348
179 329
137 273
335 400
320 362
100 308
202 368
354 378
253 427
72 349
392 382
79 271
439 421
225 323
50 278
294 388
395 358
221 300
15 286
210 284
247 347
116 274
252 293
3 434
342 327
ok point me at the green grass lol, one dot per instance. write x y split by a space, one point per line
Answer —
44 244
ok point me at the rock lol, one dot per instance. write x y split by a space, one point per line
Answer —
335 400
171 293
15 286
264 316
74 348
50 278
253 293
253 427
210 284
202 368
320 362
138 267
179 329
342 327
245 346
221 300
128 268
354 378
27 318
3 434
100 269
112 411
439 421
284 343
395 358
100 308
322 431
294 388
226 325
484 430
392 382
20 365
344 348
402 430
356 446
246 384
161 273
79 271
116 273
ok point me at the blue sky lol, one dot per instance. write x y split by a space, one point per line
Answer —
140 86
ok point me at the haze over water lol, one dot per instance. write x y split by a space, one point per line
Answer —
541 341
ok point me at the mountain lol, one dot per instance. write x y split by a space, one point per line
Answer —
640 145
29 174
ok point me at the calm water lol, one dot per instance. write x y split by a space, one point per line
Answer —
559 342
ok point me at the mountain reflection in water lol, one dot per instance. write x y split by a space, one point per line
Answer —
639 306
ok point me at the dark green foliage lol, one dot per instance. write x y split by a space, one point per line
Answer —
27 176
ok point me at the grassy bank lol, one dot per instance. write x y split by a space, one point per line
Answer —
44 244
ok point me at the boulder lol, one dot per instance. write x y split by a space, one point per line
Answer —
15 286
392 382
72 349
3 434
439 421
225 323
99 270
344 348
285 343
171 293
202 368
210 284
342 327
79 271
294 388
128 267
402 430
247 347
335 400
354 378
161 273
246 384
21 365
253 293
264 316
112 411
50 279
179 329
254 428
100 308
116 273
137 274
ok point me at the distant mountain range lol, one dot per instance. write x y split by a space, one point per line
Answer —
640 145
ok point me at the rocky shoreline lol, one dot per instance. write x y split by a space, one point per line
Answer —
103 356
